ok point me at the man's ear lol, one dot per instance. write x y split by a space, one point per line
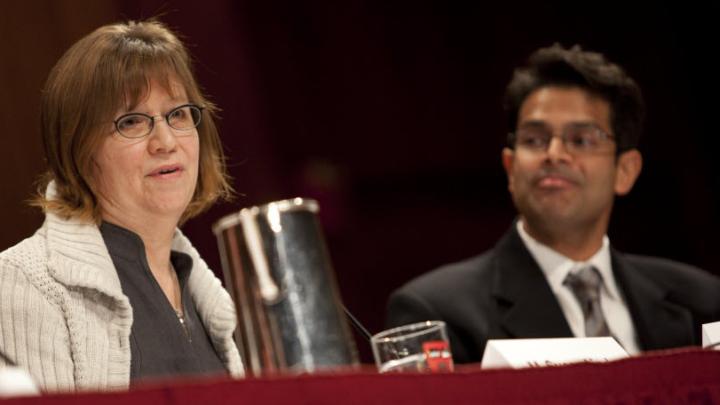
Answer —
508 159
629 165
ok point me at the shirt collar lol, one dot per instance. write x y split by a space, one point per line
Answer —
556 266
126 244
122 242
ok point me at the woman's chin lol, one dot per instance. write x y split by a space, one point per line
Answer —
169 206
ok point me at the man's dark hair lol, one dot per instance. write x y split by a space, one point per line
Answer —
590 71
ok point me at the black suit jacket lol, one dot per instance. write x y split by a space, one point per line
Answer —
503 293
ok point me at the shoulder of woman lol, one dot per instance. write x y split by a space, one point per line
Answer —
24 273
30 253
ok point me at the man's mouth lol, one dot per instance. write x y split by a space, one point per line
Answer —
554 178
554 182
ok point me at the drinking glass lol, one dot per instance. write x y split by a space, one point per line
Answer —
418 347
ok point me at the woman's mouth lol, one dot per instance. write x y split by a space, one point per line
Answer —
166 171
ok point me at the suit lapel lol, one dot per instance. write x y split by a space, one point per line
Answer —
659 323
528 307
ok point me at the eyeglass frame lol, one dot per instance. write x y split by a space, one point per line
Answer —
606 136
152 119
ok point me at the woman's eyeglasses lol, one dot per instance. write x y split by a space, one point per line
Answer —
139 125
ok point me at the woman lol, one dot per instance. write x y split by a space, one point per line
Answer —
109 292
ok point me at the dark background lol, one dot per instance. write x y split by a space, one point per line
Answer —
389 114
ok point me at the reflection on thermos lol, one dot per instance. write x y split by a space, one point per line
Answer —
276 265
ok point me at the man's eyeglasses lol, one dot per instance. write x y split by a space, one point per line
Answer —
577 138
139 125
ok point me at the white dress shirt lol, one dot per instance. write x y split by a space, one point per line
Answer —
556 267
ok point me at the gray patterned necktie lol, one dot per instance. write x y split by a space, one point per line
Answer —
585 285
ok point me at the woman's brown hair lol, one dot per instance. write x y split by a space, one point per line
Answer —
104 72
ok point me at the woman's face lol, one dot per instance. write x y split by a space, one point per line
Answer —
150 178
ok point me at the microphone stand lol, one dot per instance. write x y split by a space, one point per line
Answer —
363 331
356 323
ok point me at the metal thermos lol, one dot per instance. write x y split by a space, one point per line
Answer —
277 269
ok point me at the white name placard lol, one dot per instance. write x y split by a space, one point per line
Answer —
711 335
520 353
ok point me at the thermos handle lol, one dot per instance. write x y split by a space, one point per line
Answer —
269 291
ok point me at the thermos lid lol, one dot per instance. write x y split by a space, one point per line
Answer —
292 204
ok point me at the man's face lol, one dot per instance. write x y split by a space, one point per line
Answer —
555 188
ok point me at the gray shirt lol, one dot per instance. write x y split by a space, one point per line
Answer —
160 344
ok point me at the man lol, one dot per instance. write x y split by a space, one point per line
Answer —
576 121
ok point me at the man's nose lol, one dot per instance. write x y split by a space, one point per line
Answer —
557 150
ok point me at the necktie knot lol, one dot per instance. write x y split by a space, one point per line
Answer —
585 283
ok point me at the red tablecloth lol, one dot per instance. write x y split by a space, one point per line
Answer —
676 377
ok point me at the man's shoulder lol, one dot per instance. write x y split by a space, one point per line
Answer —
681 281
457 276
666 269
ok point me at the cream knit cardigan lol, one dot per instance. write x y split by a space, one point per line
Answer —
64 318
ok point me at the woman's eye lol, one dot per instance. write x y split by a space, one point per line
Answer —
178 115
129 122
